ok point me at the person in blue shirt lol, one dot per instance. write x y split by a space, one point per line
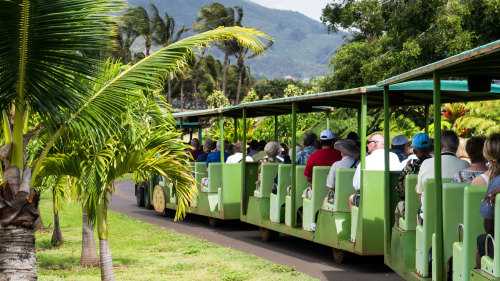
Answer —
214 157
491 152
398 146
208 145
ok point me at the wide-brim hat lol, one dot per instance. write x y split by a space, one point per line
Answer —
348 147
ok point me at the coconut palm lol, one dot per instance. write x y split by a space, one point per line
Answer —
144 25
43 73
216 15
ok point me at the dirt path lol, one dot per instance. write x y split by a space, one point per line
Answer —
310 258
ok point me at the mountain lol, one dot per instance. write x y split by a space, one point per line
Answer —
302 47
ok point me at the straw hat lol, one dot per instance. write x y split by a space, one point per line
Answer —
272 148
348 147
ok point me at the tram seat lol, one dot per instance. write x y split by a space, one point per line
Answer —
268 172
319 191
300 184
278 200
464 250
214 177
423 243
492 266
200 171
343 189
409 222
229 195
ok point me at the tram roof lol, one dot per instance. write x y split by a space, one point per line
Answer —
483 60
231 111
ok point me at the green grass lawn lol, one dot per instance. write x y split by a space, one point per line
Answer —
142 251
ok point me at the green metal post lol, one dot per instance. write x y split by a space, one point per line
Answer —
426 112
359 122
362 129
243 162
221 126
437 176
387 199
327 120
235 130
276 127
190 135
200 135
294 172
181 129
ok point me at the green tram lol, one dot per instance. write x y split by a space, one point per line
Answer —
369 229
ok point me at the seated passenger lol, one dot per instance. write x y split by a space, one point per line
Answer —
254 148
284 157
238 154
450 165
310 143
473 148
208 145
420 143
349 151
491 152
461 151
196 151
272 150
325 156
261 154
398 146
214 157
374 161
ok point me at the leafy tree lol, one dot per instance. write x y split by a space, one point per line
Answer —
125 37
143 24
483 117
276 87
216 15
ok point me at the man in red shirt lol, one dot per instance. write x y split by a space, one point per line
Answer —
325 156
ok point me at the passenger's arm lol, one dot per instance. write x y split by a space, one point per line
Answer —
489 226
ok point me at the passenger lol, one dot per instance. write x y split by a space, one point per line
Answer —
208 145
461 151
214 157
229 148
374 161
421 147
491 152
261 154
196 151
353 136
238 154
272 149
411 155
473 148
310 143
325 156
284 157
450 164
349 151
254 148
398 146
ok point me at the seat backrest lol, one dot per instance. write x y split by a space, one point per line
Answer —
268 172
453 210
411 201
214 177
319 189
200 171
343 189
284 179
231 190
301 183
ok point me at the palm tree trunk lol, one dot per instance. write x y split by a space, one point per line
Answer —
17 253
240 77
169 88
89 252
182 94
148 46
224 70
57 238
107 272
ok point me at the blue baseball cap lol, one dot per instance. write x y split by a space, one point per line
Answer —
420 140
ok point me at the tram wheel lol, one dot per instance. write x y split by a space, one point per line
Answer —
139 195
268 234
213 222
158 199
340 256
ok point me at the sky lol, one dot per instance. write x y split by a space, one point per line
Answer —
310 8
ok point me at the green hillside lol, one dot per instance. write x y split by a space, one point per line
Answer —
302 47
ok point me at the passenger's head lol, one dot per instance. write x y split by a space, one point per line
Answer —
375 141
421 144
327 138
284 149
491 152
449 141
254 145
272 148
228 147
347 147
461 152
208 145
474 149
262 145
310 139
399 141
238 147
195 143
353 136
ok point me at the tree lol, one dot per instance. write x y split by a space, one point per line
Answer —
49 78
216 15
144 25
125 37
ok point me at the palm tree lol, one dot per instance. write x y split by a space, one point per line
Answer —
144 25
216 15
43 73
125 37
